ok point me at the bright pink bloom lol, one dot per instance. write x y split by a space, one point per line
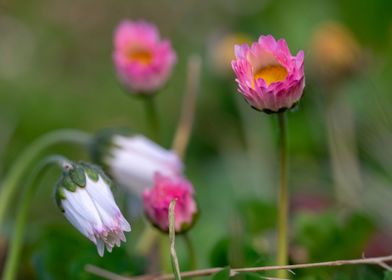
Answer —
268 76
157 200
143 61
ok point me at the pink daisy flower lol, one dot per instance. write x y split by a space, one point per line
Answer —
268 76
143 61
157 200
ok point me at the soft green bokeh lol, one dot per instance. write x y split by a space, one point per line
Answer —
56 72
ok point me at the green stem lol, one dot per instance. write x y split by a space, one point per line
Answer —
152 117
191 251
14 251
172 236
146 240
282 252
30 155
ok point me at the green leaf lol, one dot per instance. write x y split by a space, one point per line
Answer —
252 276
76 252
328 236
388 275
236 252
219 253
223 274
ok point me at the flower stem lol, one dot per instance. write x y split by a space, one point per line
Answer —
13 254
172 236
30 155
152 117
282 250
184 127
378 261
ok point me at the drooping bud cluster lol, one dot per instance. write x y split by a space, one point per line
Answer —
133 160
84 196
157 200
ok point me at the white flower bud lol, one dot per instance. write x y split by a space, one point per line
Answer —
83 194
132 161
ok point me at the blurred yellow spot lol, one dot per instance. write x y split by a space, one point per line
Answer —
222 51
141 56
335 53
271 74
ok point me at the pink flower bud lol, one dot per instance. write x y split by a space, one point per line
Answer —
142 60
268 76
157 200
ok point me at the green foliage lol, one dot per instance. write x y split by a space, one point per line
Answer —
388 275
63 254
230 252
69 82
249 276
223 274
257 215
328 237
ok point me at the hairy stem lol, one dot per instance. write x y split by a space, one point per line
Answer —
22 164
172 236
152 117
282 248
380 261
14 250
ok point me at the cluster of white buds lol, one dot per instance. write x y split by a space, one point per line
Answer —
133 161
83 194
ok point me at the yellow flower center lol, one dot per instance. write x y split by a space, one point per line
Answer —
142 56
271 74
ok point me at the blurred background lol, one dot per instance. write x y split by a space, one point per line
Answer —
56 72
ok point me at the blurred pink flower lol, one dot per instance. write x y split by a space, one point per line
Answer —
310 202
157 200
143 61
379 244
268 76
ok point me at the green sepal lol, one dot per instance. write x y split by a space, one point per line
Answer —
78 176
95 171
104 177
68 183
90 171
59 196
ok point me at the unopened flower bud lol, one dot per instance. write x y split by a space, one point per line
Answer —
132 161
84 196
157 200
